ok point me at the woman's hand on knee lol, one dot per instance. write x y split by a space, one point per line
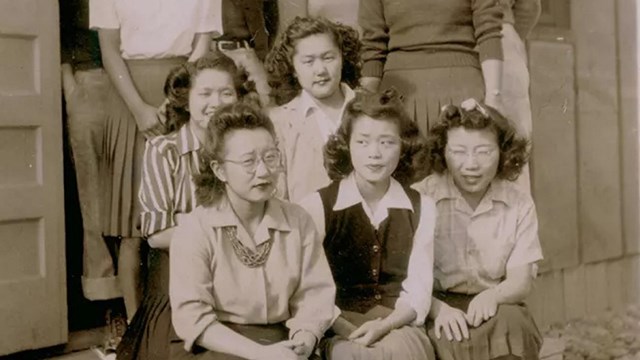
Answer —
452 322
370 332
482 308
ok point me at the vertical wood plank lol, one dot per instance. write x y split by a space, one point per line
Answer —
632 278
596 288
553 304
553 160
594 24
616 289
628 75
534 303
575 304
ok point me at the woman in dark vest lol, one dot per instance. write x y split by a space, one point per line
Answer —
378 233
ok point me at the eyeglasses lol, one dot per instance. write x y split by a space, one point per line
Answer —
270 158
480 155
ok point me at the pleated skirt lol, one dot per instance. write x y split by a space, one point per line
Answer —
121 166
512 331
149 333
427 90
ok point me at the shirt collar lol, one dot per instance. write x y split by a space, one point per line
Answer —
222 215
349 195
186 140
445 188
308 104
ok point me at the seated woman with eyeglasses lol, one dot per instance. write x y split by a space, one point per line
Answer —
486 243
248 274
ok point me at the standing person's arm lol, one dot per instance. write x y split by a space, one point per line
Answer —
375 42
288 10
526 14
146 115
487 23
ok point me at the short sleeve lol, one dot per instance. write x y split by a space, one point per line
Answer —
103 14
209 16
527 249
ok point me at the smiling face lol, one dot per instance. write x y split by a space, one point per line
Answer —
210 89
243 147
472 158
318 65
375 148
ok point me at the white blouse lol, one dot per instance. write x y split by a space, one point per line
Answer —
155 29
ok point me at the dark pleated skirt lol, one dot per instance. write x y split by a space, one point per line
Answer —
426 91
512 331
262 334
148 335
121 167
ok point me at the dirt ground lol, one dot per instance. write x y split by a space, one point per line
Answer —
612 336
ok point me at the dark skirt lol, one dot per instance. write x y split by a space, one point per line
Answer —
262 334
512 331
148 335
121 166
426 91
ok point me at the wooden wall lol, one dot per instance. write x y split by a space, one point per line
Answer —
584 94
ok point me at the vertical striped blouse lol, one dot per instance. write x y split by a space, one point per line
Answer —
167 186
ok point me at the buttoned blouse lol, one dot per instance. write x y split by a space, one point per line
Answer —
153 29
303 129
474 248
167 187
416 288
208 282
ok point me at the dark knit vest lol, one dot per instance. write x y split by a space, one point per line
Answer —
368 265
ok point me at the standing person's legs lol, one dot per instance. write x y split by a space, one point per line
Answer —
85 95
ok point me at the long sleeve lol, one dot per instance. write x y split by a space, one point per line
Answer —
417 287
312 304
156 192
191 281
487 23
375 37
526 14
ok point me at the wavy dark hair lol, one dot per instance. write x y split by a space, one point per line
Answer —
514 152
385 106
180 78
279 61
245 114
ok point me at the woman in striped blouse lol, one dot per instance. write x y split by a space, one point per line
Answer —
167 192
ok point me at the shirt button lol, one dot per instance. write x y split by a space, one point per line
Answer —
378 297
376 248
374 272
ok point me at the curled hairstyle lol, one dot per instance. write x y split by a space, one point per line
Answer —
279 61
179 81
386 106
514 152
241 115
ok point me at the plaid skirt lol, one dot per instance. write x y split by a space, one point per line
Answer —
512 331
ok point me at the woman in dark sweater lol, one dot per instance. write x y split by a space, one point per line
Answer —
426 49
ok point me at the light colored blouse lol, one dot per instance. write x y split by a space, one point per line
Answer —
152 29
208 282
167 187
416 288
474 248
303 129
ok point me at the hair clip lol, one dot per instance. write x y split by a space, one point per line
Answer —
473 104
